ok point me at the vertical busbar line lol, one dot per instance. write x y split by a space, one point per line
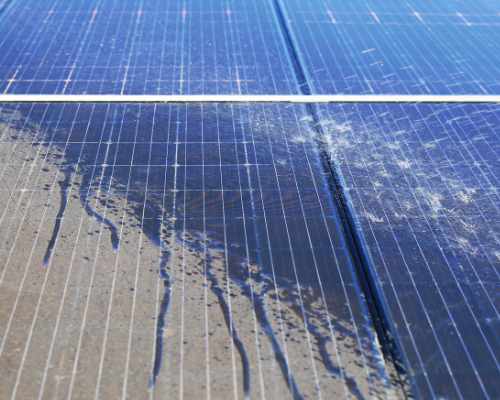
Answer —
377 308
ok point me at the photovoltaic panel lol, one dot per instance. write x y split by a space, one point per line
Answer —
398 47
176 250
423 180
254 250
135 47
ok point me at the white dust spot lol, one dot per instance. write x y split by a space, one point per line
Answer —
403 164
373 218
466 195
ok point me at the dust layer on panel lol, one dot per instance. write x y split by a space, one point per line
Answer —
190 250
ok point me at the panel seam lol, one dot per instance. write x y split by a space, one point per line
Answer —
358 250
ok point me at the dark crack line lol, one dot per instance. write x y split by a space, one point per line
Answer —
391 348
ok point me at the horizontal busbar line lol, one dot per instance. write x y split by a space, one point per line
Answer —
250 98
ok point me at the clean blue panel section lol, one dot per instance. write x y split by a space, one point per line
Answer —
416 47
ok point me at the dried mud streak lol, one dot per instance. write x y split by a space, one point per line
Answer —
85 200
162 314
226 312
64 186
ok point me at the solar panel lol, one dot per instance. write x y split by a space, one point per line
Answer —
232 248
131 47
423 180
398 47
177 249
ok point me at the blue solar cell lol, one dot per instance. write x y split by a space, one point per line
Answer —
423 180
136 47
394 47
335 228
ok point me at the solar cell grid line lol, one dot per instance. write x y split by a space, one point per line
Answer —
62 324
149 75
403 315
160 357
205 280
295 390
97 275
471 71
163 300
470 263
83 44
133 35
494 239
183 230
136 283
343 284
89 43
445 247
232 60
348 382
4 142
476 54
389 343
182 73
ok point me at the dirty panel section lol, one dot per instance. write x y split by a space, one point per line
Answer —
188 251
380 46
137 46
424 185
